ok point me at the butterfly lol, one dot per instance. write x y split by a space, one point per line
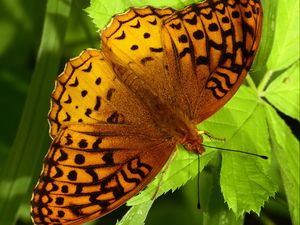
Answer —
118 113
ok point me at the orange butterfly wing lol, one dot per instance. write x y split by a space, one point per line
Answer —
91 170
133 43
211 46
105 146
88 92
194 59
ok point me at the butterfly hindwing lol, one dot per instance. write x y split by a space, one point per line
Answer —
91 170
212 45
101 132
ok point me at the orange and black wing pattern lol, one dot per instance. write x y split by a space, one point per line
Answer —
91 170
211 47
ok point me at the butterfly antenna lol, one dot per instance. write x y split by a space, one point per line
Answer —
239 151
198 183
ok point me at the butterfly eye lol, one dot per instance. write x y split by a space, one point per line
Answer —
188 146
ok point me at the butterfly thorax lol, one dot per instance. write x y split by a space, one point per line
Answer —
177 126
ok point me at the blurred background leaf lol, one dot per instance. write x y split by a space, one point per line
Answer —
19 164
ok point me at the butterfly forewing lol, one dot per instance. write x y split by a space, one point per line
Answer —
133 41
88 92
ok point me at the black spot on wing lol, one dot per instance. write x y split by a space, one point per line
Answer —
69 139
60 213
59 200
75 84
97 143
78 189
213 27
72 175
63 156
88 112
225 19
93 174
116 117
156 49
98 103
176 26
192 21
98 81
110 93
134 47
59 173
183 38
83 143
198 34
64 189
184 52
138 25
146 35
84 93
122 36
201 60
154 22
88 69
69 100
79 159
146 59
108 158
68 118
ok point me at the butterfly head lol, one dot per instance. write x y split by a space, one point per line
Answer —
194 144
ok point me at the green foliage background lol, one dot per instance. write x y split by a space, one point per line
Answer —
38 37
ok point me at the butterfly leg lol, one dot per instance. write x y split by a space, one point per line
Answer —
211 137
164 170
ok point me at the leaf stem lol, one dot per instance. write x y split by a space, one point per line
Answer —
264 82
251 82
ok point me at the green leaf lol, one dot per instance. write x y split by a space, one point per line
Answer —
183 168
245 181
216 210
285 50
267 38
283 92
213 208
136 215
243 116
102 11
286 149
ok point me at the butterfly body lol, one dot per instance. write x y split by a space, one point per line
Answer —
178 127
118 113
